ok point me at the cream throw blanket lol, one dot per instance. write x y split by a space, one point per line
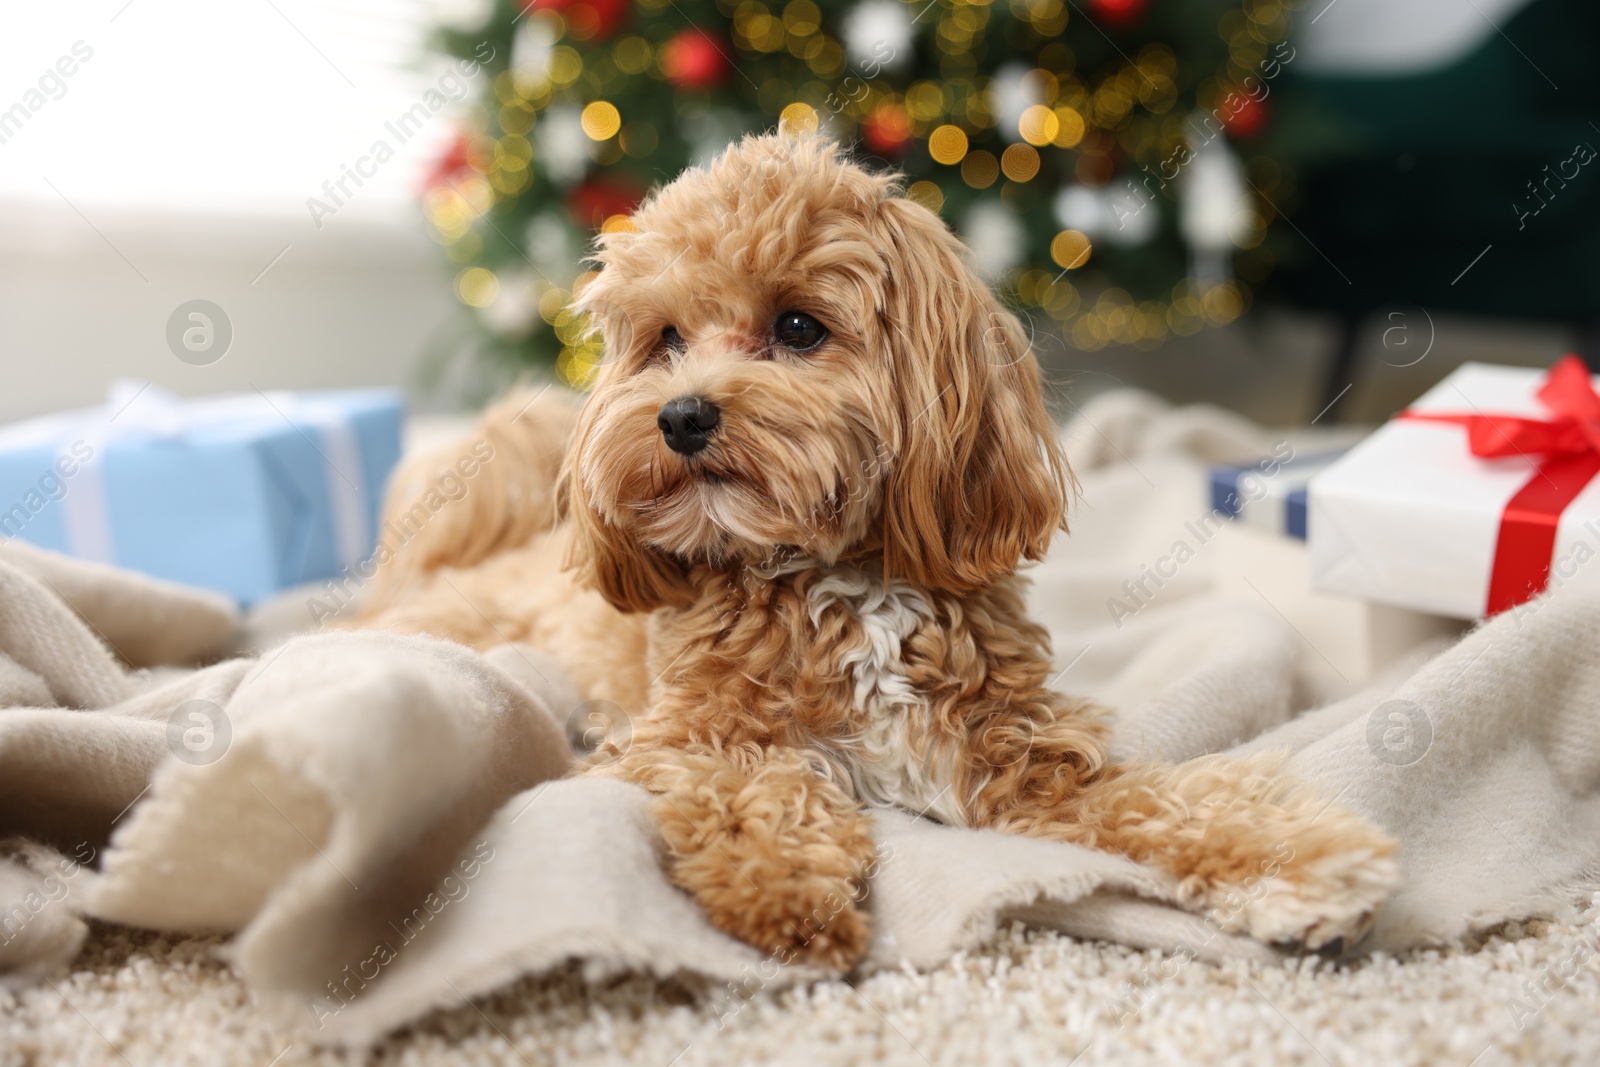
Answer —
380 819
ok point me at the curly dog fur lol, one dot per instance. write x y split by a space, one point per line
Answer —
813 608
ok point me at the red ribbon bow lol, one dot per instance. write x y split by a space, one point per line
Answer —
1567 451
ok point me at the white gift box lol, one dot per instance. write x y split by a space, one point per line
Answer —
1412 517
1346 641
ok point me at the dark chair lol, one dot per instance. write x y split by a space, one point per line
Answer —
1473 188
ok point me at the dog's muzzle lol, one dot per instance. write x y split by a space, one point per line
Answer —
687 423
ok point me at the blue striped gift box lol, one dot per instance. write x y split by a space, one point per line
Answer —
1270 494
242 494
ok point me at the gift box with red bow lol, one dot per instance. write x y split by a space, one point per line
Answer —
1474 500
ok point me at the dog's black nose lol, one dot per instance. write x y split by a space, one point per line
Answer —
687 423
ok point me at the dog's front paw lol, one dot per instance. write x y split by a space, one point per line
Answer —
796 920
1322 888
782 875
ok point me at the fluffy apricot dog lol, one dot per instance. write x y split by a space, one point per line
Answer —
792 511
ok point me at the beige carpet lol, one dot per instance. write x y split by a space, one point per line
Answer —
1526 995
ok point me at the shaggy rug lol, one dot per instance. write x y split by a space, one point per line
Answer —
1526 994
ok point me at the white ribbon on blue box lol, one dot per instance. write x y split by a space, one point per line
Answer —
1270 495
244 494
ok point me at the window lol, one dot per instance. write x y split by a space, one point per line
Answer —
241 107
154 152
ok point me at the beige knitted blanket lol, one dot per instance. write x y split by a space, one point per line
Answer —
382 824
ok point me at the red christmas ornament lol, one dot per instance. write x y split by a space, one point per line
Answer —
587 20
450 166
694 59
1119 12
1245 116
602 196
886 130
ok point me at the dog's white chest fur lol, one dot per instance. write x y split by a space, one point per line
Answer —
880 759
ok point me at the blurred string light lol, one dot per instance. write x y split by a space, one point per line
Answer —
983 102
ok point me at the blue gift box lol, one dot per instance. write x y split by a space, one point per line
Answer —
243 494
1270 494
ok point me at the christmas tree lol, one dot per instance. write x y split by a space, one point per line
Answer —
1112 163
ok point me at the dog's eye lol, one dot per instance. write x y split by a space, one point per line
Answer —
672 339
799 331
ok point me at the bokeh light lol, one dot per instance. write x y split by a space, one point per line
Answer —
1070 249
601 120
947 145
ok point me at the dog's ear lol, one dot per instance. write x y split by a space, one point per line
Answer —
631 576
978 481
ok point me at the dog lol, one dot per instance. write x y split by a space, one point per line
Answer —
792 513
